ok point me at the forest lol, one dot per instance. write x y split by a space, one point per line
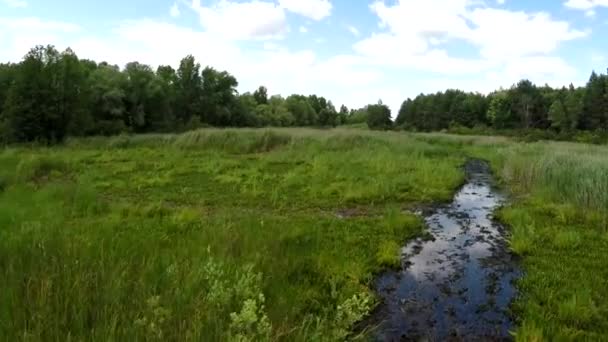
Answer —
523 106
50 95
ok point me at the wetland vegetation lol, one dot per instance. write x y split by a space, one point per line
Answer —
277 234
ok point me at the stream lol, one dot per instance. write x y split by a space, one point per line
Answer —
459 284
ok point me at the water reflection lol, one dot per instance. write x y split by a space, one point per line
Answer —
459 285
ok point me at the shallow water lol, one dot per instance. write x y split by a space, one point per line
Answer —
458 285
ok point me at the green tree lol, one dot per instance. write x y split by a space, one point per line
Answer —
75 94
342 115
405 117
36 108
275 113
219 96
595 104
188 90
138 95
558 116
379 116
7 76
108 100
245 113
261 95
499 111
163 100
574 105
302 110
328 117
527 104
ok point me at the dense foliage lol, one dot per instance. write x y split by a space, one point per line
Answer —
51 94
523 106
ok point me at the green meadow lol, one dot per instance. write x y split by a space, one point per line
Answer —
277 234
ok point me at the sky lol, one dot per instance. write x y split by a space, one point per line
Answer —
353 52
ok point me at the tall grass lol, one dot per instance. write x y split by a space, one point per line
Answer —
209 235
567 173
559 226
275 234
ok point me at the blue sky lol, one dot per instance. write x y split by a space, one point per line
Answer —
351 51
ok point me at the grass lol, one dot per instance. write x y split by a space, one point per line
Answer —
559 227
209 235
276 234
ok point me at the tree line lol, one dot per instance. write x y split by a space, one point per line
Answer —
522 107
51 95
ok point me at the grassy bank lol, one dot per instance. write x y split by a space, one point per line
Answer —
258 234
559 225
560 229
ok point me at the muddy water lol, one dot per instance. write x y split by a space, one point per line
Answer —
459 284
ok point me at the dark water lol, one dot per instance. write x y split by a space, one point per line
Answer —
459 285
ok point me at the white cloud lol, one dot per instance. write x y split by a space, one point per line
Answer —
503 34
155 42
15 3
174 11
19 35
303 29
497 32
586 4
414 35
242 20
313 9
354 31
415 30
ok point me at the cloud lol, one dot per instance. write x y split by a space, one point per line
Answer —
242 20
15 3
174 11
155 42
497 32
354 31
411 51
313 9
19 35
414 31
303 29
586 5
503 34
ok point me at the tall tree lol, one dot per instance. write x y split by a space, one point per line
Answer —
74 94
35 106
108 100
302 110
138 93
188 90
558 115
595 104
261 95
379 116
499 111
574 105
527 104
218 96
